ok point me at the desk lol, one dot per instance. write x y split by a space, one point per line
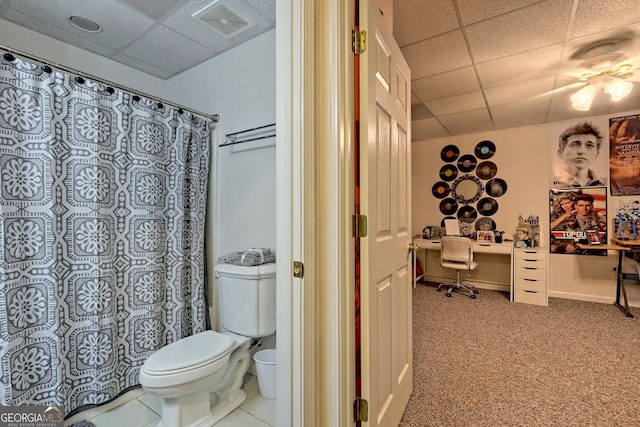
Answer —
505 248
621 246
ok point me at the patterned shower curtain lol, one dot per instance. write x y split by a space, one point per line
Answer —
102 211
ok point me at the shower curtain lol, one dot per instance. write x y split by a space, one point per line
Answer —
102 210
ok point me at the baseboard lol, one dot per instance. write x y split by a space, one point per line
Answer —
582 297
480 284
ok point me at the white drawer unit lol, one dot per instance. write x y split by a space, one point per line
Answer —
530 276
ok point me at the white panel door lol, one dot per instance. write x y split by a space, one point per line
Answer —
387 361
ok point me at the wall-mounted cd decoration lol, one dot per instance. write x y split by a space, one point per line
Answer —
487 206
445 218
486 170
448 172
440 189
449 153
467 214
448 206
496 187
485 149
468 187
467 163
485 224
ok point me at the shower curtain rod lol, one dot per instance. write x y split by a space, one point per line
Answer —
214 117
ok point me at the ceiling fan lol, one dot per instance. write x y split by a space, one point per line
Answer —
604 68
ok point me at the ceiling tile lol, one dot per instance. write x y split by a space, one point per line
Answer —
456 104
120 24
159 41
57 33
415 20
478 10
518 92
437 55
593 16
442 85
419 111
519 67
532 27
427 129
523 113
153 8
471 118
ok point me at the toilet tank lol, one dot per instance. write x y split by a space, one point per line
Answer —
248 298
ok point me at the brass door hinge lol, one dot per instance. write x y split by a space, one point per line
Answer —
361 409
359 42
359 226
298 269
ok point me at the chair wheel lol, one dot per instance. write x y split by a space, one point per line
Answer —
475 291
473 296
448 294
438 289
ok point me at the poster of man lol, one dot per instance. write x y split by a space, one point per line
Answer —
577 216
624 155
578 155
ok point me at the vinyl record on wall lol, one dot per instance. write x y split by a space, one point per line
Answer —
448 206
485 149
448 172
487 206
486 170
467 214
440 189
449 153
485 224
496 187
467 163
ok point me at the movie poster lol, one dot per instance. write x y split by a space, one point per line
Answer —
624 155
578 216
579 154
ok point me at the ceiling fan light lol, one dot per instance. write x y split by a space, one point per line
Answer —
618 89
582 99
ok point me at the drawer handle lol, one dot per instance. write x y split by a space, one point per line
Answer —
530 280
531 292
530 268
530 260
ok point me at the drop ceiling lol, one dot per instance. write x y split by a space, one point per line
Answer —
477 65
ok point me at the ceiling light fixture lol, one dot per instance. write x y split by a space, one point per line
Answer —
614 83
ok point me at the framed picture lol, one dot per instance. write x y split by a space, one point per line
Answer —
485 236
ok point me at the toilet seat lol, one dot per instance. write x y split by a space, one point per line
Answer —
187 359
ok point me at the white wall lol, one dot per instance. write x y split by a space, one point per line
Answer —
523 161
239 85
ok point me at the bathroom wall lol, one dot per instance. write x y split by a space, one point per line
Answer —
523 161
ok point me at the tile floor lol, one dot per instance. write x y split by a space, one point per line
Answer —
139 409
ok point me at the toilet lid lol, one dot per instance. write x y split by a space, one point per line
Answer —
189 353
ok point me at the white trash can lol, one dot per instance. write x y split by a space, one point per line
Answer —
266 369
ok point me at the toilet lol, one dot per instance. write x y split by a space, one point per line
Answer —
200 377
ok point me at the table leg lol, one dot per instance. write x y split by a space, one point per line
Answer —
621 288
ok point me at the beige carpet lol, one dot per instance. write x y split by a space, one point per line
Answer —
490 362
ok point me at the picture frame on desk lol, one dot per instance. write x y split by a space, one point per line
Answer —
485 236
431 232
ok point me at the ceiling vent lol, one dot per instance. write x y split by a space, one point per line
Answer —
224 20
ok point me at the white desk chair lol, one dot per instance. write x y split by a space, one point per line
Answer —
457 253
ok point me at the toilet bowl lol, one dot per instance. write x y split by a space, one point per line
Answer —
200 377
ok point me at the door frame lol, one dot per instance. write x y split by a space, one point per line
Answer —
314 180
